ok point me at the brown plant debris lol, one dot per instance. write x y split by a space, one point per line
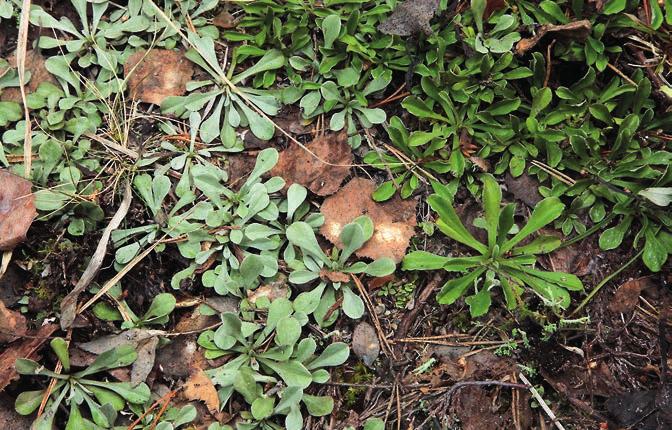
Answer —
578 30
12 324
410 17
38 74
297 165
273 290
225 20
627 296
365 343
199 387
157 74
393 221
17 209
524 188
26 349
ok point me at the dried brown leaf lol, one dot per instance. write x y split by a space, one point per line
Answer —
144 364
200 387
627 296
410 18
334 276
365 343
12 324
578 30
225 20
154 75
296 165
393 221
26 349
272 290
38 74
17 209
524 188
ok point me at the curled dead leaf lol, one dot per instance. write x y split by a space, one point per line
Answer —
154 75
297 165
393 221
577 30
365 343
200 387
17 209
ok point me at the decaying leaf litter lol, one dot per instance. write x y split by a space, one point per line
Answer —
243 191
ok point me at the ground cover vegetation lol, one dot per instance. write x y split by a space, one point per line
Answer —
342 214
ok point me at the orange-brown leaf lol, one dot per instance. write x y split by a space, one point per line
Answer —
154 75
393 221
200 387
296 165
17 209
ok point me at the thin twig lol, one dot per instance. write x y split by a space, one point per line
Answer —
549 63
52 383
374 317
541 402
21 51
69 303
169 395
605 281
621 74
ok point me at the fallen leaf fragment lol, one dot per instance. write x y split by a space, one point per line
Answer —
524 188
334 276
200 387
12 324
410 17
225 20
144 364
272 290
179 357
17 209
26 349
157 74
144 341
393 220
297 165
38 74
627 296
365 343
578 30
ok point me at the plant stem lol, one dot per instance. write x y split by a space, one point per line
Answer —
604 282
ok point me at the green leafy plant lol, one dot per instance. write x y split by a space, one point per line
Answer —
503 261
228 100
104 399
422 152
272 354
158 312
173 418
333 271
93 44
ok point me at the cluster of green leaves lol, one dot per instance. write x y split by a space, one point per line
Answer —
503 262
332 76
103 399
333 271
601 130
271 354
